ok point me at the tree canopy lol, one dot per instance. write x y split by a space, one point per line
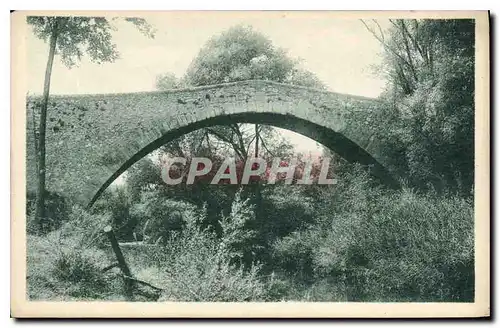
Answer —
241 53
78 36
429 119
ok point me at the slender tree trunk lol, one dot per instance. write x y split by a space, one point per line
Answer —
257 190
257 140
40 204
35 135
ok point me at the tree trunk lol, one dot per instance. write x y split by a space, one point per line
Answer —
257 140
258 193
40 204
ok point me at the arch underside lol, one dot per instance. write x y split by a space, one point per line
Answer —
327 137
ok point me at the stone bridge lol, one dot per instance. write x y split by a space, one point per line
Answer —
92 139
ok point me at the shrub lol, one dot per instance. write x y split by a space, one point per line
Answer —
428 245
293 254
59 269
66 263
158 217
286 209
57 209
407 247
85 229
337 210
383 245
116 203
202 267
82 271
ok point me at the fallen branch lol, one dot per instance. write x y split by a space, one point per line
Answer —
109 267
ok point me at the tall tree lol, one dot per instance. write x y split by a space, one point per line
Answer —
241 53
429 65
71 37
168 81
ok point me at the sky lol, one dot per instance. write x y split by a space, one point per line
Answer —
340 52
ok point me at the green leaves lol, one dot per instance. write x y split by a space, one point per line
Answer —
78 36
430 102
167 81
237 54
235 236
143 26
241 53
384 246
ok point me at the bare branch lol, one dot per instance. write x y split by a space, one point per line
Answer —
250 143
414 40
386 45
142 282
227 140
372 32
408 52
236 129
394 24
379 29
265 146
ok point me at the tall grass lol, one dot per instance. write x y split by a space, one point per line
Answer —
66 264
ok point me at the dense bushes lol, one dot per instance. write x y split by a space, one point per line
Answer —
361 243
116 203
200 266
65 264
388 246
158 217
57 210
195 264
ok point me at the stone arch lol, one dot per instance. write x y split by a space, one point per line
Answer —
92 139
329 138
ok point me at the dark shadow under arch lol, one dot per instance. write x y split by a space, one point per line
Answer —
327 137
